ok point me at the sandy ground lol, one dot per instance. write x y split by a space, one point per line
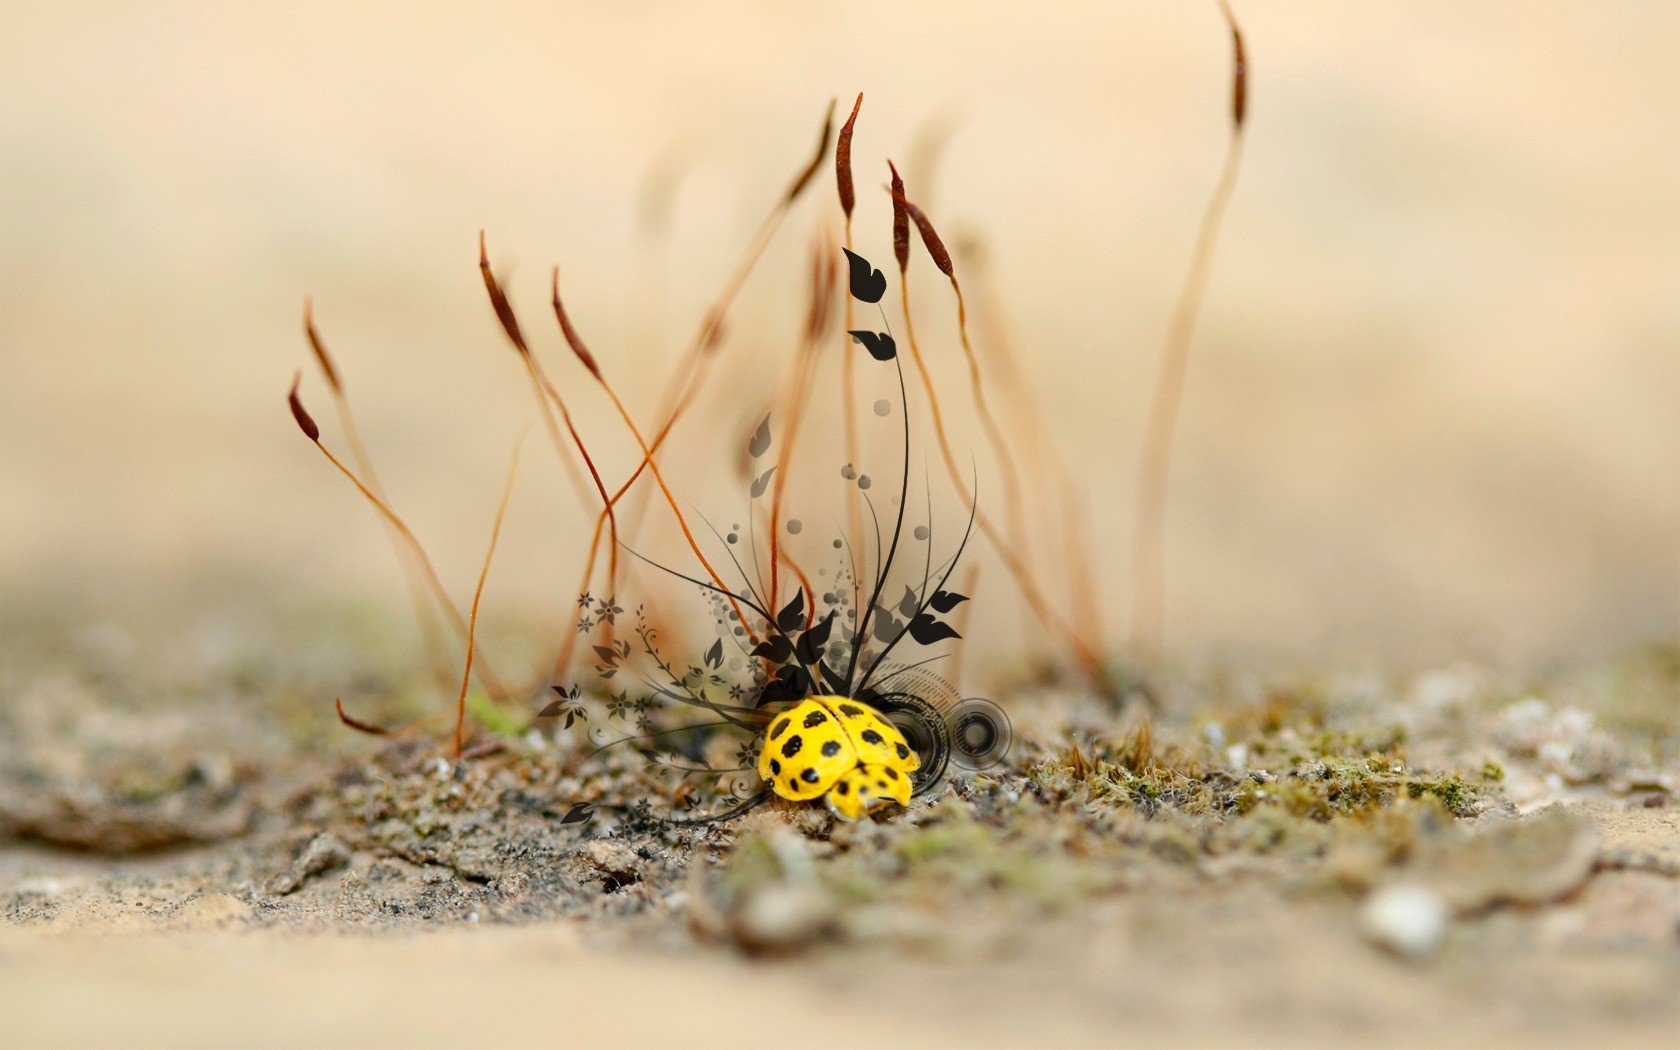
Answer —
258 888
1211 967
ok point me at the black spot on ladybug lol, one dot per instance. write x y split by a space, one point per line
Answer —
903 752
791 748
809 776
843 788
882 784
872 737
815 719
851 710
775 767
831 749
779 728
893 773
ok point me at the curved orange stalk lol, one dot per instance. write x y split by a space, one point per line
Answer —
690 375
588 361
478 594
307 424
425 612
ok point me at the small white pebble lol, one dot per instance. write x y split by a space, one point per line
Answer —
1407 920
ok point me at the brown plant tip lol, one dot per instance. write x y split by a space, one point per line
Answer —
357 724
573 340
315 344
1239 67
810 171
901 220
499 300
843 160
930 240
304 422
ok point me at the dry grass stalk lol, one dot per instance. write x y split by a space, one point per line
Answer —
425 612
848 379
1148 605
1014 503
1088 656
1058 496
548 397
692 370
825 275
478 595
587 359
307 424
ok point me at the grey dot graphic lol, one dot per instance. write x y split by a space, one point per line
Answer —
883 407
733 538
848 472
920 532
795 526
864 482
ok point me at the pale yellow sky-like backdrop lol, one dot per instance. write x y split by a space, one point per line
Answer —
1434 400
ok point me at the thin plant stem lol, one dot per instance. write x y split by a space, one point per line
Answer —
478 595
1148 605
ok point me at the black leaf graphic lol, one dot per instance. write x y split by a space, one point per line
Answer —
908 605
879 344
868 284
945 601
554 707
833 678
818 635
926 630
760 482
607 653
791 684
579 813
714 655
811 642
886 628
760 442
792 614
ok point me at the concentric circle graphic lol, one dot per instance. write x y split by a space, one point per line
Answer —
980 733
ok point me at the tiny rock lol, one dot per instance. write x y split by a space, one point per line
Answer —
782 917
1407 920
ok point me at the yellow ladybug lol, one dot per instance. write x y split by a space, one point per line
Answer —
837 746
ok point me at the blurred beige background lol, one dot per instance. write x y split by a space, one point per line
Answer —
1434 403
